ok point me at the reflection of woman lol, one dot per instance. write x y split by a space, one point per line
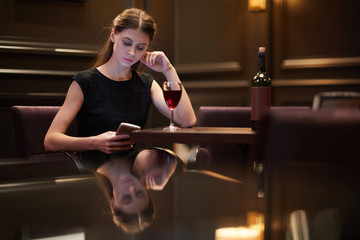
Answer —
154 167
129 200
125 181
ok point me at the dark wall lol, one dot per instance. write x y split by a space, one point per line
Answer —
312 46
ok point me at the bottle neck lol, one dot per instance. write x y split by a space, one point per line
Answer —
261 62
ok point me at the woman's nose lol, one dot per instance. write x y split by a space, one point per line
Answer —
132 189
132 51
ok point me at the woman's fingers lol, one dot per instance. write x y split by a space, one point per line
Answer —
149 181
152 180
149 59
152 58
110 142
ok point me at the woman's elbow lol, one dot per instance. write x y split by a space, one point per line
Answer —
193 122
190 122
48 145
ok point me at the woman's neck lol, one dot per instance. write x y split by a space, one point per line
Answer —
114 169
114 72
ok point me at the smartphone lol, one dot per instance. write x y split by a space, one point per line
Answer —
126 128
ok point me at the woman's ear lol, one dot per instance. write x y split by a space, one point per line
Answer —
112 35
112 204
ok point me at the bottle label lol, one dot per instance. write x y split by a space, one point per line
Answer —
260 101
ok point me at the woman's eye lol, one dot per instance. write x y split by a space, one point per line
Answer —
126 199
140 48
140 194
127 43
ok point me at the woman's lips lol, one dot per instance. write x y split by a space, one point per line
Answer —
127 179
128 60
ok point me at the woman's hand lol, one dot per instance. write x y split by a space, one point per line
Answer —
156 61
155 179
109 142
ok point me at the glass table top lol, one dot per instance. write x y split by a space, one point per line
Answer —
152 194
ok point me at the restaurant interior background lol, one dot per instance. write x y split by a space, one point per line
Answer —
311 46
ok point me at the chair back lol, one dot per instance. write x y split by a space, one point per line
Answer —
326 100
31 124
311 162
216 116
230 116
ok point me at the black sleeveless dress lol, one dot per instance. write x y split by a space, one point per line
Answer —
107 103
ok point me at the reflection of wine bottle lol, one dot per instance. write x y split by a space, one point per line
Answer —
260 91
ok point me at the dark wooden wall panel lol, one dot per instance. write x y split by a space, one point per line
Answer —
322 28
208 39
58 21
316 39
208 35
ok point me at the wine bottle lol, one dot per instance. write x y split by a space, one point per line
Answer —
260 91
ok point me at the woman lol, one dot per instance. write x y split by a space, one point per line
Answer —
131 207
113 92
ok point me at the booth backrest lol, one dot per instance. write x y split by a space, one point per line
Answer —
230 116
326 100
31 124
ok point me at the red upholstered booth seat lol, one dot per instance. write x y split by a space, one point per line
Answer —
30 125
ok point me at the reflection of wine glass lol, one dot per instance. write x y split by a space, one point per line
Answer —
172 95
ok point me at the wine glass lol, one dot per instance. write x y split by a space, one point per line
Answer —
172 94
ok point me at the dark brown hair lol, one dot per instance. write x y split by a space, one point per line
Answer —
132 18
134 222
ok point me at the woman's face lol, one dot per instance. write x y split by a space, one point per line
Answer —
130 196
129 46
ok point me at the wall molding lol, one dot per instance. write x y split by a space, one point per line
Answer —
216 84
242 83
320 63
31 94
35 47
314 82
216 67
37 72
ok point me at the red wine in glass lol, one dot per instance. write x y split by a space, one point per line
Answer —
172 96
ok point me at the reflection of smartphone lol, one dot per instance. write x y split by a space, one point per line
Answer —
126 128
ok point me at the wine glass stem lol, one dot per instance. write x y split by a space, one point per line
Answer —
172 118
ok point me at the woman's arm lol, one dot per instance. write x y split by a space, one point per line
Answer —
57 140
184 112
